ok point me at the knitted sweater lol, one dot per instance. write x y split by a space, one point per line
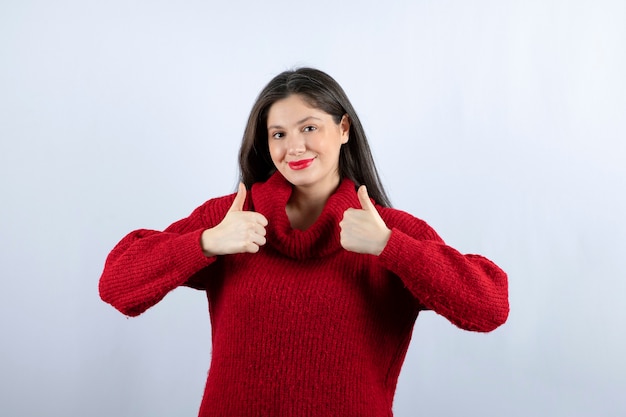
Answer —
305 327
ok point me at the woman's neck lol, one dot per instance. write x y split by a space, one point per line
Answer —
305 205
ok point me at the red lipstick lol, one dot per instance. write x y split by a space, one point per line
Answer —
301 164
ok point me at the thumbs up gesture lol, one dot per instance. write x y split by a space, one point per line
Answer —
363 230
240 231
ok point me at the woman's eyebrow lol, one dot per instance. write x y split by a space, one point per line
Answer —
299 122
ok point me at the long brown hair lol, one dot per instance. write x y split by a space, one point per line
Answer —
321 91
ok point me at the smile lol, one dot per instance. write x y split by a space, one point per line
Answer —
301 164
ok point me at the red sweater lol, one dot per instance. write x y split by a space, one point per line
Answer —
304 327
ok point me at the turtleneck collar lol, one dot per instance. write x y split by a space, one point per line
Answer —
321 238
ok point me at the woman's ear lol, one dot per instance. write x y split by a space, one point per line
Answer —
344 126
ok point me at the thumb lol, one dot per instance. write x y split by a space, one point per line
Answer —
364 199
240 198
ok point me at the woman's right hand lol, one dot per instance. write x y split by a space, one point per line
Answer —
239 232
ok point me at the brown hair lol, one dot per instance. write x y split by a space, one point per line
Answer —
323 92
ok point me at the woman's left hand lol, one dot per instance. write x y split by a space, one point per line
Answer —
363 230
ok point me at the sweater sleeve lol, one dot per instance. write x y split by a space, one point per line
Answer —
147 264
469 290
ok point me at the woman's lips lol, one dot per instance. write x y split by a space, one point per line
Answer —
301 164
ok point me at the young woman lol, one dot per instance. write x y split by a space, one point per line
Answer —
314 282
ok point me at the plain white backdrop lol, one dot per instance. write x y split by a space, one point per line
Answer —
500 123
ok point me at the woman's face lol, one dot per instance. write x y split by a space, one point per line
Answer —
305 142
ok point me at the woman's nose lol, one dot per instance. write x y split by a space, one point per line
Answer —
296 144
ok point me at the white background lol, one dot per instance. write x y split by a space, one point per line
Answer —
500 123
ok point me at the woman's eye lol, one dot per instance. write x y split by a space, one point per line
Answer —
278 135
309 128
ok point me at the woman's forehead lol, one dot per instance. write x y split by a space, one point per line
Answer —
293 110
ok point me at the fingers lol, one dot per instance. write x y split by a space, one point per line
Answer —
364 198
256 240
259 234
250 234
260 219
238 203
240 198
239 232
252 217
363 231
